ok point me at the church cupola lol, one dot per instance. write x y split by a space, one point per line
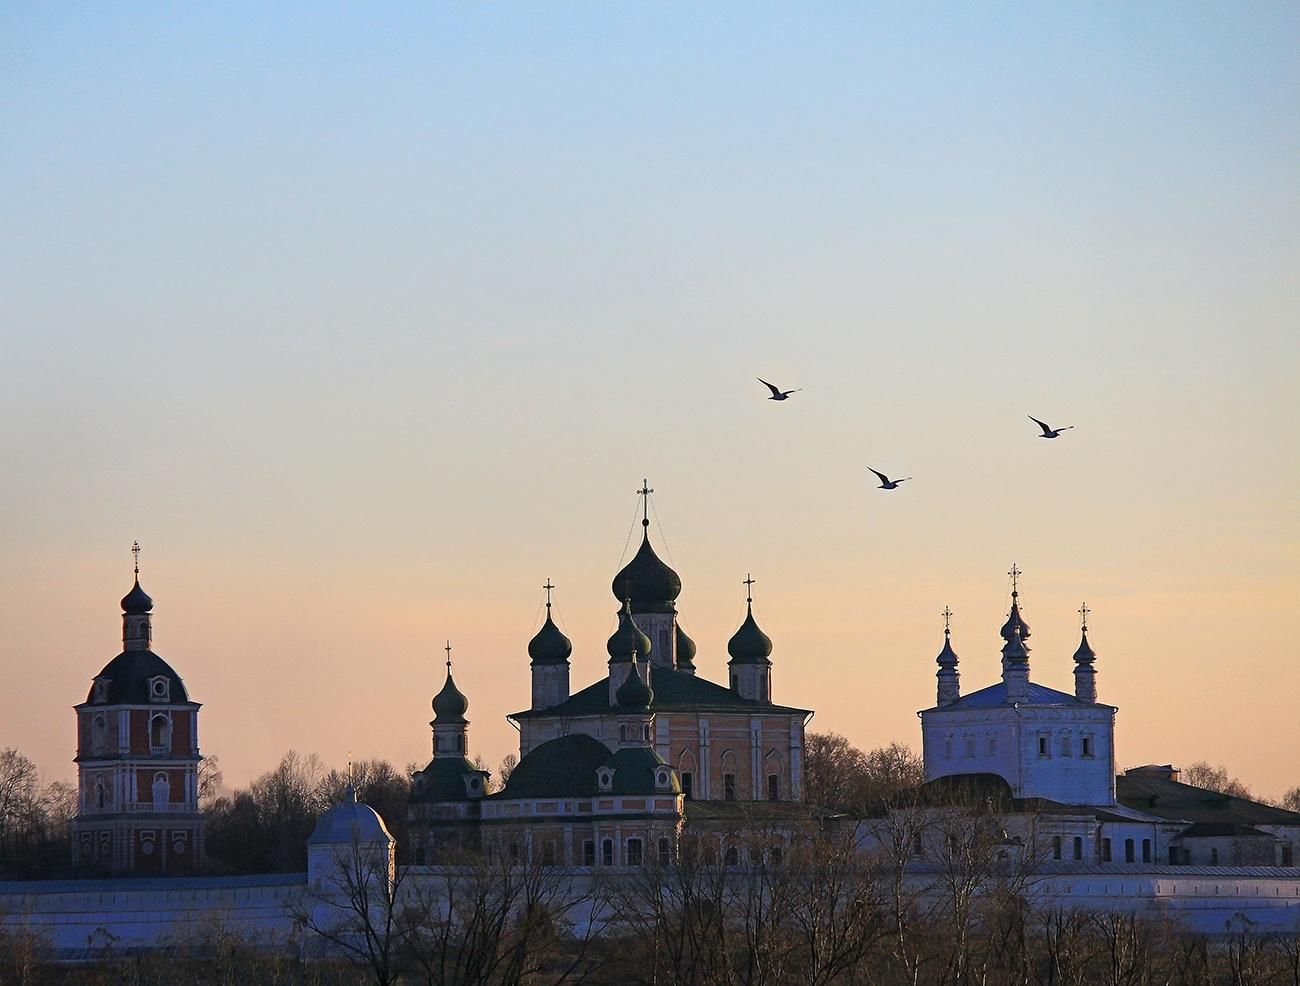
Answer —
1014 620
1015 668
549 652
750 649
137 626
1085 675
450 727
634 698
685 651
949 677
625 645
652 589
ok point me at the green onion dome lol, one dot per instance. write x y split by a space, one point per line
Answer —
450 705
634 694
137 601
628 640
1015 621
550 645
685 649
749 644
650 584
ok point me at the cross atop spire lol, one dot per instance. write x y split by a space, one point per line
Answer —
645 491
548 587
1015 574
448 650
135 550
1083 616
749 587
947 621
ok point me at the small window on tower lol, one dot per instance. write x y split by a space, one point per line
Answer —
729 787
159 689
970 746
1087 746
1078 847
1042 746
688 784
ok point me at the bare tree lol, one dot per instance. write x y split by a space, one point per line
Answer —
1201 774
508 764
1291 800
210 779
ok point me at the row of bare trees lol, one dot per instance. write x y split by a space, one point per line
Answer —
35 821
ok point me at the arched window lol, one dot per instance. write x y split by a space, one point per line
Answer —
99 795
98 735
161 791
160 734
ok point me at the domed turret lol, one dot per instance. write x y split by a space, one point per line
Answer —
749 644
627 640
949 677
1014 620
634 695
645 581
685 650
1085 675
137 601
549 645
450 704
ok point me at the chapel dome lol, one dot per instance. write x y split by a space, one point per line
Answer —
634 694
1015 620
450 704
749 644
685 649
549 645
627 640
651 585
133 677
348 823
137 601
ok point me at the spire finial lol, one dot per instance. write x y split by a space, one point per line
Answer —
1015 574
135 550
448 650
350 774
749 587
645 491
947 621
1083 616
548 587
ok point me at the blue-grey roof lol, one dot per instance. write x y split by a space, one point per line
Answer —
995 695
349 821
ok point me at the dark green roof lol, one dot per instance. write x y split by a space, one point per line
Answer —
634 695
443 780
675 691
559 768
129 675
685 649
1175 800
450 704
634 771
628 640
136 601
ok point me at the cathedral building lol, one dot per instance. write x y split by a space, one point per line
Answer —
137 760
610 773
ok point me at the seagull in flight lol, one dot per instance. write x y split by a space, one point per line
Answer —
777 393
886 483
1048 432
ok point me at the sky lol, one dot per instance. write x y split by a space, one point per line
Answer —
365 322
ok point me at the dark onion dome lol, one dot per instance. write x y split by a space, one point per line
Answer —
749 644
634 694
130 676
1015 650
550 645
450 705
1015 620
1085 653
947 657
650 584
685 649
136 601
627 640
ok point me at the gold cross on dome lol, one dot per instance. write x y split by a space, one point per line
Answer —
1015 574
1083 614
947 620
135 550
749 587
448 650
548 587
645 491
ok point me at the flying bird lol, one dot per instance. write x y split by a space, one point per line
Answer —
886 483
777 393
1048 432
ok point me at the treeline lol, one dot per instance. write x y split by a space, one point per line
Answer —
35 821
264 828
